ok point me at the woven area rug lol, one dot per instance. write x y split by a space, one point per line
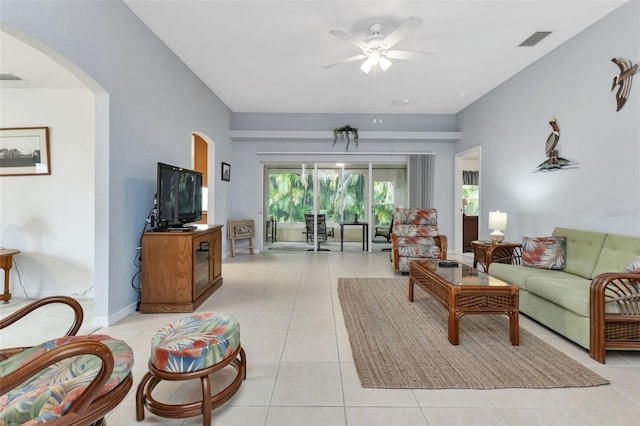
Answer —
402 345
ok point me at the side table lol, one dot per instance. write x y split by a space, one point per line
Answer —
486 251
6 262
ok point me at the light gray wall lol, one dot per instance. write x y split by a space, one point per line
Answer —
572 84
153 103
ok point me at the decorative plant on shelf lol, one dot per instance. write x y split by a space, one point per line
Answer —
345 133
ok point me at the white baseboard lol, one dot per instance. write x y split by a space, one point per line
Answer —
114 318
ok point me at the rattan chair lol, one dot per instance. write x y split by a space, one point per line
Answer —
79 378
615 313
415 236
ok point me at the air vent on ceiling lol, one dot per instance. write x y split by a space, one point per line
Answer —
399 102
5 76
535 38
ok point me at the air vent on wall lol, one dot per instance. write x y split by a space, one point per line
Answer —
5 76
535 38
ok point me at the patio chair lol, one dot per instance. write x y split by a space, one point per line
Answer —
415 236
72 380
323 233
384 231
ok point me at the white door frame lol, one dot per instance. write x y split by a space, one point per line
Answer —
457 185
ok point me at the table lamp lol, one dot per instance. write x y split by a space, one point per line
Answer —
497 222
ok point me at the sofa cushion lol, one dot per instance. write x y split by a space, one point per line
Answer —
617 252
583 250
518 275
544 252
571 294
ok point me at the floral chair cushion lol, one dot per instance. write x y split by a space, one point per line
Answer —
49 395
417 247
415 230
195 342
415 216
544 252
412 230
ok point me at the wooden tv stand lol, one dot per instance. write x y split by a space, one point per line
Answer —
180 270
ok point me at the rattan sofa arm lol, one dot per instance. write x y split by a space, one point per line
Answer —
102 351
504 253
623 289
78 317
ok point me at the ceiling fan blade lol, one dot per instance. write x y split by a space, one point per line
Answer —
349 38
406 28
345 60
406 54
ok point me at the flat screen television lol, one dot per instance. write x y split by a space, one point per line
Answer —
179 196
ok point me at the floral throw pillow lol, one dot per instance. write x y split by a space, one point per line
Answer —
633 267
544 252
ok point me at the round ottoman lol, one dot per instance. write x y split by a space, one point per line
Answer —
193 347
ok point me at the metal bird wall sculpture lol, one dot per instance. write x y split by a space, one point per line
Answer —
627 71
554 161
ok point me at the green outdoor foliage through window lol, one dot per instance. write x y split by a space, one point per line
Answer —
384 200
341 195
470 193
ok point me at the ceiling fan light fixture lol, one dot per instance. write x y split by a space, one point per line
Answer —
374 57
384 63
366 67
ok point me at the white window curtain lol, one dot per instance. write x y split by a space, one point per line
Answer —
421 172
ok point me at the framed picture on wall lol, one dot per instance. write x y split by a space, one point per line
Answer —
226 172
24 151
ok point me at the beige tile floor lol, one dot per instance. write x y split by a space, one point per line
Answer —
301 372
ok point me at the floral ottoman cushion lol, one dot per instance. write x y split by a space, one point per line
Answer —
195 342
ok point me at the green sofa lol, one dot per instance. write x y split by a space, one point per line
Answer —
561 299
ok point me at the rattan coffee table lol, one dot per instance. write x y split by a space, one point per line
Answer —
464 290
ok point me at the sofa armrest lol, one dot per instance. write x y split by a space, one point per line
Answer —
503 253
622 328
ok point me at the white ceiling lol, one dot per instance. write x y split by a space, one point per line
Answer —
36 70
267 56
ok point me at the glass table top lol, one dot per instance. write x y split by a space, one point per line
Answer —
463 275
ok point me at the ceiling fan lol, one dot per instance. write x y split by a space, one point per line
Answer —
377 48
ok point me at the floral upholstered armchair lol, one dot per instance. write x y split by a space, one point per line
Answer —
71 380
415 236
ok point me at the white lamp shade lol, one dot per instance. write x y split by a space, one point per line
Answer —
498 220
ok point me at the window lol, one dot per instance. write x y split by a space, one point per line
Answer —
470 193
383 202
290 196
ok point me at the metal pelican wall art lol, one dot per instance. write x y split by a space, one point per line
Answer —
554 161
627 71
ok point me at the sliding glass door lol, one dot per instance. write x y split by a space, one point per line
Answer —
342 198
